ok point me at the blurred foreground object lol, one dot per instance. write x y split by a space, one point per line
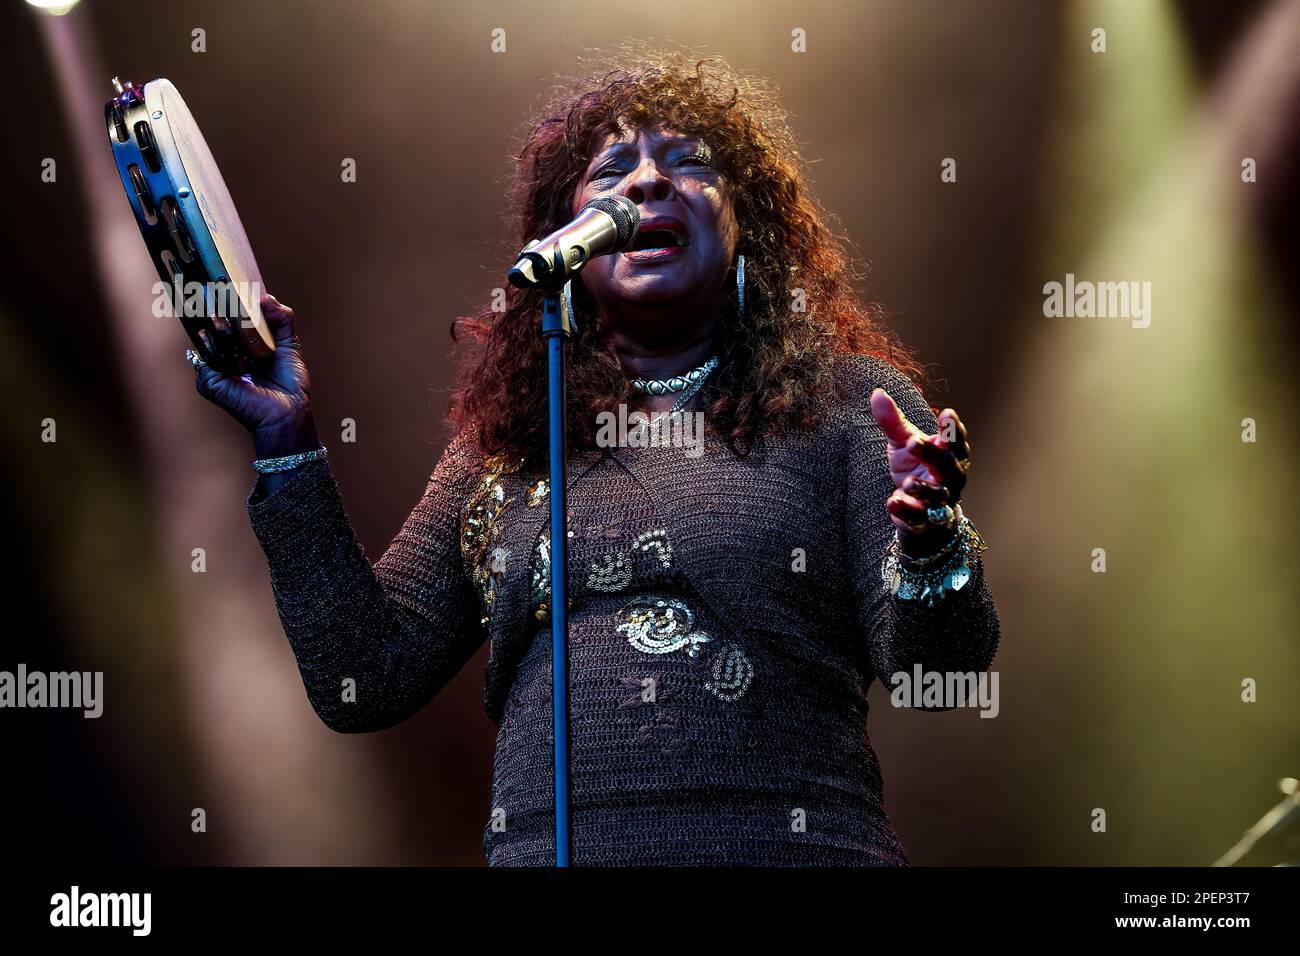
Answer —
1278 824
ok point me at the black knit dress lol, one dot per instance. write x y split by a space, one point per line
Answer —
727 616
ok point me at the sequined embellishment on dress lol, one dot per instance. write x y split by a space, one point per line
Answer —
613 574
656 540
540 584
537 492
480 527
652 623
660 625
731 672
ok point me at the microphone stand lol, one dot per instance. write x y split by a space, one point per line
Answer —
556 330
1280 818
532 270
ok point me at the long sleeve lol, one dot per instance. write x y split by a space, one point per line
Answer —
960 633
400 629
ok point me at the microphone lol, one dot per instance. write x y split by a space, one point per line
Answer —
605 225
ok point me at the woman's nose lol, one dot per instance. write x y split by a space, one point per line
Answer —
648 183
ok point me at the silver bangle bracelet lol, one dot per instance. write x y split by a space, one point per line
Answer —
928 581
271 466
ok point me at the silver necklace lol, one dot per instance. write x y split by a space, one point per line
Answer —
687 395
678 383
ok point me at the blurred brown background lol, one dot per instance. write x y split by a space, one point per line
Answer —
1119 691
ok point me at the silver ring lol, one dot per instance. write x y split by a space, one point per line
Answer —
942 516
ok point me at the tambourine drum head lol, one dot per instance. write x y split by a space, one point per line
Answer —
211 200
189 223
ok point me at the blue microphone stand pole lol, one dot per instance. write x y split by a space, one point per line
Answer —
557 330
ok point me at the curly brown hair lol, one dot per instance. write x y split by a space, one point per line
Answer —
778 364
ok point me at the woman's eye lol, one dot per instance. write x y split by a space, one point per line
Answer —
700 157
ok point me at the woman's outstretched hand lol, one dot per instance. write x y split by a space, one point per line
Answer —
274 403
929 471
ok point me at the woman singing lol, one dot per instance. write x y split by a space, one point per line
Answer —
731 598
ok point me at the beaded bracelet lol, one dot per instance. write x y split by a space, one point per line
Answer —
942 555
271 466
929 580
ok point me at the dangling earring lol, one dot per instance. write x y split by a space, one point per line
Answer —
740 284
566 296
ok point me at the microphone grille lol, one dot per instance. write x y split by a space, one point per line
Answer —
627 218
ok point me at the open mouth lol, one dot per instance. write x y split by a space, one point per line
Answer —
659 239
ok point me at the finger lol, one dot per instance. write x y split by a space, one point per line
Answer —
909 511
280 318
944 466
213 385
933 496
929 449
890 418
952 432
925 448
206 378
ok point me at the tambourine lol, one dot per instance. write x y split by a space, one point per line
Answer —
189 223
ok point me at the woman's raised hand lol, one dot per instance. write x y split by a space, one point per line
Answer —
929 471
274 403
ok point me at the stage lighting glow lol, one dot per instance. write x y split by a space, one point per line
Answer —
55 7
1146 428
